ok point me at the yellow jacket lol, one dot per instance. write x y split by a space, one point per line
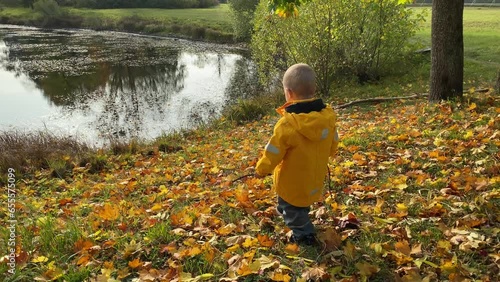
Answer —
303 139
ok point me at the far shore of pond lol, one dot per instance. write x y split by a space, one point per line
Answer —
209 24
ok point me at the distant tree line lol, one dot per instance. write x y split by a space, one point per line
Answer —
109 4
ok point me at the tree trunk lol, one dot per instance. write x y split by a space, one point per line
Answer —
447 50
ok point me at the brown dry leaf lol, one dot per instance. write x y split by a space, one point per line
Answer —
83 260
265 241
131 248
292 249
331 238
267 262
416 250
82 245
349 250
403 247
366 269
135 263
408 274
315 274
65 201
149 275
350 221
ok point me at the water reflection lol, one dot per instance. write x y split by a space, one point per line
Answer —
244 82
107 85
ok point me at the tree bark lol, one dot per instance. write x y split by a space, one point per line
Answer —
447 50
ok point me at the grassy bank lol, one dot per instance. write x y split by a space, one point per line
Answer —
211 24
415 195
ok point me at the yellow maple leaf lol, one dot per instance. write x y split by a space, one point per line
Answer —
40 259
401 207
278 276
156 207
194 251
250 242
109 212
468 135
227 229
472 107
233 248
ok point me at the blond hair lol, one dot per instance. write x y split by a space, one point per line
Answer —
301 79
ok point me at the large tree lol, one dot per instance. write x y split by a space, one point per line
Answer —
447 50
447 64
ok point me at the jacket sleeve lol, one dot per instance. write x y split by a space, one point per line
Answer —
274 151
335 142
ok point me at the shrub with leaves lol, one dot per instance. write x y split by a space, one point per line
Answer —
243 13
363 39
48 8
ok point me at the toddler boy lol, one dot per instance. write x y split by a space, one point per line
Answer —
297 154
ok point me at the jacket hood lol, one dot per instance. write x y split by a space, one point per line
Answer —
311 118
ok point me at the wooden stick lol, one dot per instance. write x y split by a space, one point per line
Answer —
241 177
379 99
383 99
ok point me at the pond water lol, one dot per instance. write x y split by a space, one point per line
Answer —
100 86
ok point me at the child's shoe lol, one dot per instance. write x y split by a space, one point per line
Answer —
308 240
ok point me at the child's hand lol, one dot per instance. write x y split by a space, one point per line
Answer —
251 170
256 175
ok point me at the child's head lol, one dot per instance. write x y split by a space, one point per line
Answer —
299 82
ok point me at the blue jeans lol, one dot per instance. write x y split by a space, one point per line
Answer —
296 218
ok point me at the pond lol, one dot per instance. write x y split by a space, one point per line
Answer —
102 86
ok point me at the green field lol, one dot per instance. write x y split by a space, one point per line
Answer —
481 34
217 18
481 64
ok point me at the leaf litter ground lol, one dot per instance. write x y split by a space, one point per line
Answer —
413 196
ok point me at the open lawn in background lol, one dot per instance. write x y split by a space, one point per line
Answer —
481 42
481 65
217 18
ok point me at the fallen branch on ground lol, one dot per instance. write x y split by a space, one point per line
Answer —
383 99
380 99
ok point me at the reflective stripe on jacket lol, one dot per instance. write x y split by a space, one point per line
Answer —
297 154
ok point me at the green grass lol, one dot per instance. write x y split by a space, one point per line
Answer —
18 12
216 18
481 54
481 48
161 233
210 24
